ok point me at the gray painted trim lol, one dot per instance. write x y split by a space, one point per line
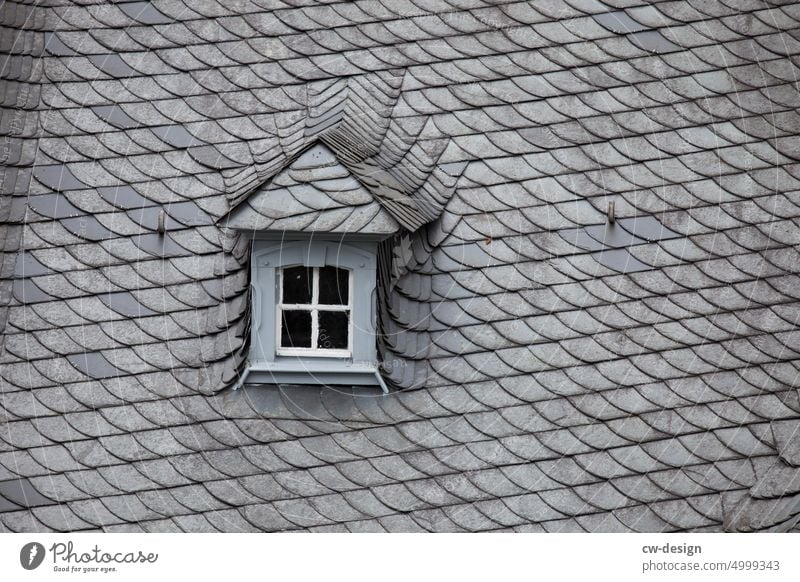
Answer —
327 373
349 238
265 365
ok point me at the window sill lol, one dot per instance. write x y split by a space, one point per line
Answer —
314 372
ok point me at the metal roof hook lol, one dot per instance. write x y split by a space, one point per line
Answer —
610 212
162 220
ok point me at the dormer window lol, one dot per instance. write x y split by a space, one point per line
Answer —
314 312
316 224
315 230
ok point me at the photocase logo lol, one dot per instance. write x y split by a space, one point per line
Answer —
31 555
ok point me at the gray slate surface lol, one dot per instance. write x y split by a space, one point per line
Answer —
553 372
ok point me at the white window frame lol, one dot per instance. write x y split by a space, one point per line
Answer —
314 307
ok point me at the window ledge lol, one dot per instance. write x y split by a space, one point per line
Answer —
313 371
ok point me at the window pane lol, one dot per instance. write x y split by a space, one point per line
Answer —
333 285
297 285
296 329
333 329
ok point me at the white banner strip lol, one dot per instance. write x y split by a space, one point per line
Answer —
371 557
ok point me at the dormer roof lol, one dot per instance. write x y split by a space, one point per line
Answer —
314 193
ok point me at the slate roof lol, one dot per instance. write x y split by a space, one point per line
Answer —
553 370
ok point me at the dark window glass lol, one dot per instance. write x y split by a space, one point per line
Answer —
296 329
333 328
297 285
333 286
